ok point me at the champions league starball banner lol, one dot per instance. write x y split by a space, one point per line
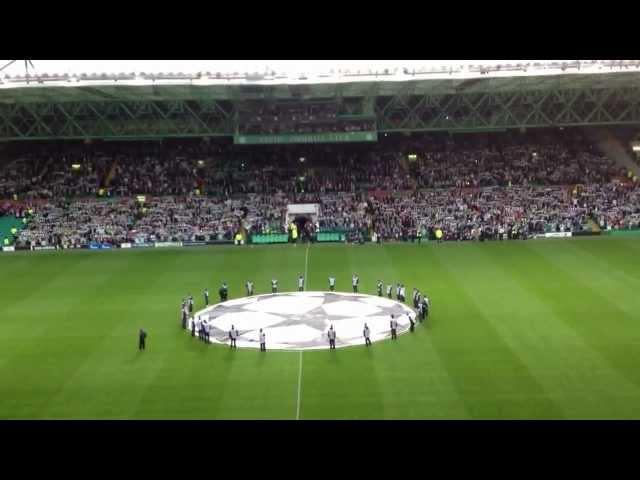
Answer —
301 320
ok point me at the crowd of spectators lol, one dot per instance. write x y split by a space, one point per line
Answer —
462 214
515 165
203 191
226 169
77 223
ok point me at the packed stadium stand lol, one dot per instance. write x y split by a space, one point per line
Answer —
476 186
516 155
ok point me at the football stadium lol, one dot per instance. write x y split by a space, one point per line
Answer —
319 240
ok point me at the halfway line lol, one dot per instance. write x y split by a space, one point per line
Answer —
299 387
306 264
306 267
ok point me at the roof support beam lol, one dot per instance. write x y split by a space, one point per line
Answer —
410 109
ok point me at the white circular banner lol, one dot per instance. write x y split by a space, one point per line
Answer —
301 320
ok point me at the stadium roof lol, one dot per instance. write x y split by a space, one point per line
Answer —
193 90
293 71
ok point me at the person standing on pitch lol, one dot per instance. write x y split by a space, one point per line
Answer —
367 334
300 283
412 322
380 287
184 316
207 331
142 338
274 285
402 294
389 291
233 335
415 294
263 341
332 283
190 303
249 288
206 297
420 311
224 292
200 329
398 291
332 338
354 283
394 327
426 305
193 326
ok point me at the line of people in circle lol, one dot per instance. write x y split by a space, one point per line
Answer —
421 303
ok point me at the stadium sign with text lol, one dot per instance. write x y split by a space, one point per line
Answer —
168 244
332 137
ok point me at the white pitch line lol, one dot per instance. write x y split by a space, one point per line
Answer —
299 387
306 268
306 264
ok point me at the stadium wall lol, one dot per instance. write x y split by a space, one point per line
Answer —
623 233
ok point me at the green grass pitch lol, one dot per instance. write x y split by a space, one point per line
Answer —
544 329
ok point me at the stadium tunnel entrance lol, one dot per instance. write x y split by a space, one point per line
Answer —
306 228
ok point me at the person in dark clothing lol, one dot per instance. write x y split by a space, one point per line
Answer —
184 318
233 335
207 333
367 335
412 322
224 292
394 327
331 334
142 337
425 308
200 330
263 346
193 327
